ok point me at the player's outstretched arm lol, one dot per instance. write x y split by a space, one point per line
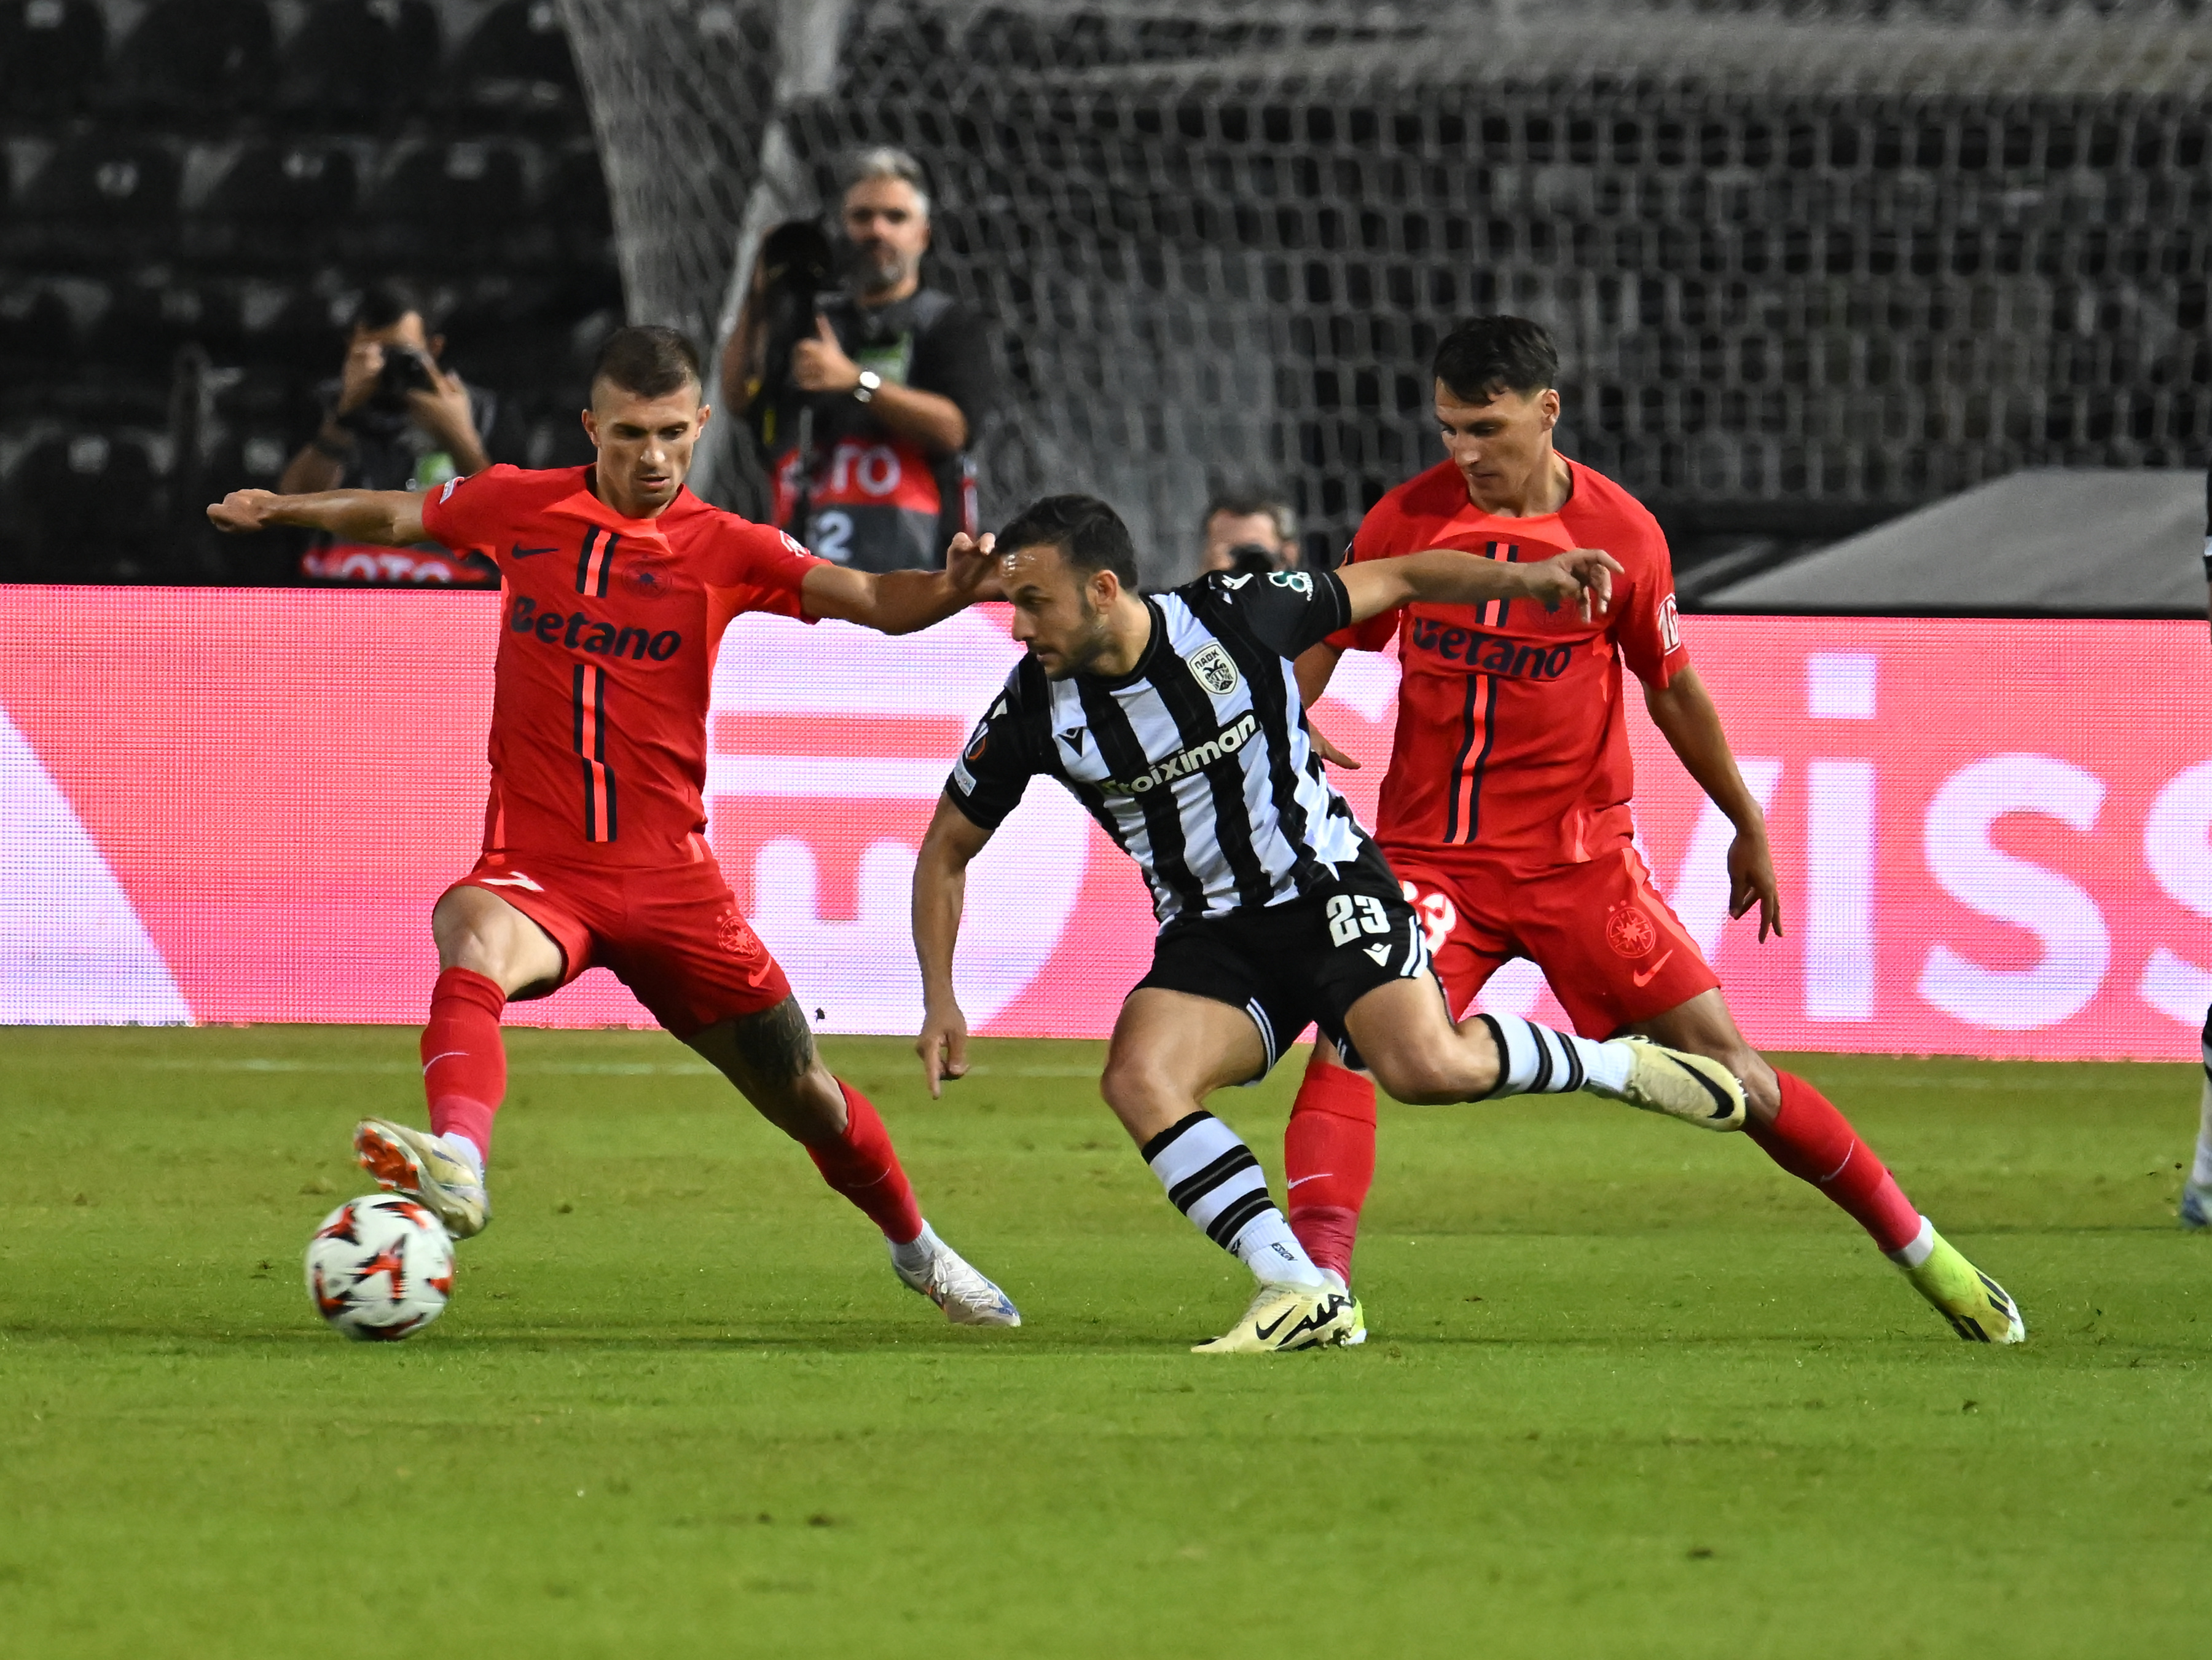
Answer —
1684 713
902 601
940 887
1442 577
394 518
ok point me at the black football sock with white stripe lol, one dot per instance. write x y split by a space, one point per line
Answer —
1535 1060
1212 1179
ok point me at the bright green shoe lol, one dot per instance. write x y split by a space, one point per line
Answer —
408 1161
1282 1318
1975 1305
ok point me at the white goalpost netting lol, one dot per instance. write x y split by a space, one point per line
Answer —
1809 263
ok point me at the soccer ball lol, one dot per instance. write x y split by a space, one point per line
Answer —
380 1268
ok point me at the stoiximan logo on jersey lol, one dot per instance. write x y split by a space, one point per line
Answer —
1230 740
1213 669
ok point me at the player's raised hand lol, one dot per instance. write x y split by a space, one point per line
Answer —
243 510
972 564
1751 879
943 1046
1327 751
1583 575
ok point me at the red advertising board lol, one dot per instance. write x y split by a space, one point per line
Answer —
221 805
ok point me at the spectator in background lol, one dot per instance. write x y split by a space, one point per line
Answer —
1248 533
865 413
393 420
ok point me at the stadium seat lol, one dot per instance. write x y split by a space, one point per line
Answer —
275 206
517 60
93 502
99 199
457 204
147 320
198 55
357 57
51 52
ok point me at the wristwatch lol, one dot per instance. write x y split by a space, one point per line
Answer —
869 381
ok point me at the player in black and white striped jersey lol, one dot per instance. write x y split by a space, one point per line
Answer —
1175 721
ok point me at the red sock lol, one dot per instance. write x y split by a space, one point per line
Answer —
1815 1143
1328 1161
863 1167
463 1062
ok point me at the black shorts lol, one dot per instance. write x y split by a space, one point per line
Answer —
1307 959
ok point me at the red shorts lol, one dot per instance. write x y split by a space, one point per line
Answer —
1613 952
670 932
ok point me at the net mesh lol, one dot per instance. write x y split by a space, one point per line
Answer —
1809 264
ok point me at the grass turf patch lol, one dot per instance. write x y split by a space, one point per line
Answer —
1630 1391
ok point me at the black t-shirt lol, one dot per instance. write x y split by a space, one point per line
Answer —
869 499
391 453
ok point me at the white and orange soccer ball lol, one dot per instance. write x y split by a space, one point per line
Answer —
380 1268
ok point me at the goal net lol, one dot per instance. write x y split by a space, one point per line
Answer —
1808 262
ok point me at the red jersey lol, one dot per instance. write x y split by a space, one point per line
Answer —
606 656
1511 742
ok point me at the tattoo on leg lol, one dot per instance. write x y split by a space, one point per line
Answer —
776 1045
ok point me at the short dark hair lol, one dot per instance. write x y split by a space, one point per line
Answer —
648 360
1090 535
385 303
1244 504
1486 356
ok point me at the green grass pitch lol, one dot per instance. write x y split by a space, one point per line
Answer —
1630 1391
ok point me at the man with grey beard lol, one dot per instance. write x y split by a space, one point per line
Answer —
865 423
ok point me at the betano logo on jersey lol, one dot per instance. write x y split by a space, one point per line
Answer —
579 631
1227 741
1490 654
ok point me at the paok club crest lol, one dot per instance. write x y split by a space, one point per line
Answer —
1214 670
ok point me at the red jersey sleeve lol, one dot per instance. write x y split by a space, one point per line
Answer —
1377 632
472 512
759 568
1650 631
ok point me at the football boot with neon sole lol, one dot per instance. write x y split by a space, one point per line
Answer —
1358 1334
1282 1318
1691 1087
967 1298
2196 1210
417 1164
1977 1307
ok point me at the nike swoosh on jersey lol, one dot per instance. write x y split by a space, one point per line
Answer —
517 880
1644 977
516 550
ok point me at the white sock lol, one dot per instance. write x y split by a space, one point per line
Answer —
913 1256
2200 1173
464 1150
1535 1060
1916 1249
1212 1179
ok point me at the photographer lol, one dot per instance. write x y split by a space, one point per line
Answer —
1248 533
864 397
393 420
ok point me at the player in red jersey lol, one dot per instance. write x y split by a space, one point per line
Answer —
1506 809
616 585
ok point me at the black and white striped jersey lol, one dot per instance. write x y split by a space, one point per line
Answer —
1196 763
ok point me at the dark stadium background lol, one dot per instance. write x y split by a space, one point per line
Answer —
1791 307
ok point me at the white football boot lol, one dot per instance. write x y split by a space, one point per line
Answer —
412 1162
946 1279
1689 1087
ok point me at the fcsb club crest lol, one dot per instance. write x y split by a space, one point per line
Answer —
1629 931
731 934
646 578
1213 669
